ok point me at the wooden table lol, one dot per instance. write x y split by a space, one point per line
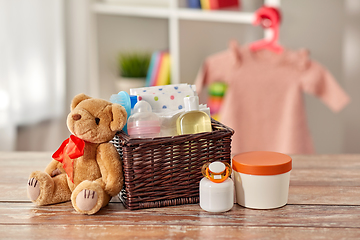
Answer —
324 203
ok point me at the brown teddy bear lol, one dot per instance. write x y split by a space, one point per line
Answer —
86 169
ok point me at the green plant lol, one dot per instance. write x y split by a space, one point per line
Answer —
134 65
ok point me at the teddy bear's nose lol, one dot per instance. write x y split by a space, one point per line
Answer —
76 117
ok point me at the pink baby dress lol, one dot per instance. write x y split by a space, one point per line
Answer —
264 99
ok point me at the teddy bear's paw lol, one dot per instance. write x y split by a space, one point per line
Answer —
33 189
86 200
88 197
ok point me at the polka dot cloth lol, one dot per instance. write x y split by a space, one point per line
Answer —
165 98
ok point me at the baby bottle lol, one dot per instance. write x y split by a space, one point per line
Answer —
192 120
143 123
216 188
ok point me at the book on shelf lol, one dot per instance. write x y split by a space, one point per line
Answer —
164 71
219 4
159 69
194 3
154 61
205 4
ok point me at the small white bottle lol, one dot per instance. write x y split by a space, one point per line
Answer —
216 188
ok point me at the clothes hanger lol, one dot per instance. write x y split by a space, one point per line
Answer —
268 18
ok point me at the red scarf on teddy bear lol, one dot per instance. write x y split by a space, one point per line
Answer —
71 148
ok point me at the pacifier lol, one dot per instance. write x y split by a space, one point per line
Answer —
216 172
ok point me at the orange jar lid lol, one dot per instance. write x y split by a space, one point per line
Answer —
262 163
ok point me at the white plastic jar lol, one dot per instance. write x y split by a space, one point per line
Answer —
262 179
216 188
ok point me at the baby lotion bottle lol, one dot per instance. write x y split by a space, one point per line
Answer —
143 123
216 188
192 120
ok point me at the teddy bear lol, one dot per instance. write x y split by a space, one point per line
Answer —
86 169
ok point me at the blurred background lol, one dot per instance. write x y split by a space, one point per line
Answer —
52 50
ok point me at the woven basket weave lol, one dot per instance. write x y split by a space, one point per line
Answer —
166 171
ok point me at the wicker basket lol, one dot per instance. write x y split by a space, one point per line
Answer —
166 171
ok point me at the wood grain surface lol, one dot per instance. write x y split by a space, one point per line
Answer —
324 203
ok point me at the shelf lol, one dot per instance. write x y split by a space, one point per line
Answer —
216 16
171 12
180 13
114 9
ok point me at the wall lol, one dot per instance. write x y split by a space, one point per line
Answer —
351 73
319 26
324 27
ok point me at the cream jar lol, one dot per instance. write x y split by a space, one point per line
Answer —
261 179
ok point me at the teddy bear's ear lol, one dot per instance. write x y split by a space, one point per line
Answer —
77 99
119 117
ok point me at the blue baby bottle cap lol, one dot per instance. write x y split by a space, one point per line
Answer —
133 100
123 98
